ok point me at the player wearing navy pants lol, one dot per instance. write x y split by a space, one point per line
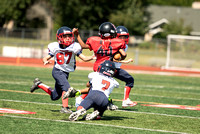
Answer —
96 99
64 52
61 83
122 75
122 33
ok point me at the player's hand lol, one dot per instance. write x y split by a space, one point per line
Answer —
47 62
130 60
94 57
75 31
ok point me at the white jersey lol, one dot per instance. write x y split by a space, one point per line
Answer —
65 58
117 64
102 83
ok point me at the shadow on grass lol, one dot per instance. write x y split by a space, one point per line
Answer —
128 109
115 118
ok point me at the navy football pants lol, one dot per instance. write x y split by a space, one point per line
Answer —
122 75
96 99
61 83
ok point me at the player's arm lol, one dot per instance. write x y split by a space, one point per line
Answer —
83 45
86 58
46 59
124 61
123 54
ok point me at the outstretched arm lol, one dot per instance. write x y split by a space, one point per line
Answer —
124 61
83 45
86 58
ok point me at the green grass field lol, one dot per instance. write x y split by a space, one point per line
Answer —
15 83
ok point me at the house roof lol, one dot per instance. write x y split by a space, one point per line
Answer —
190 16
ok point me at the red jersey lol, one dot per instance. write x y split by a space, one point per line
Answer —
104 48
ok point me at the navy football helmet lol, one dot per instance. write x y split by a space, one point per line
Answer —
107 68
65 36
121 30
107 30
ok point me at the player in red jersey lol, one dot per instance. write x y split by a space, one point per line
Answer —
105 46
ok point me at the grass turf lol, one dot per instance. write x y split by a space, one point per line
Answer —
149 89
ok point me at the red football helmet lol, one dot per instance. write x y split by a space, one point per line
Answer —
121 30
65 36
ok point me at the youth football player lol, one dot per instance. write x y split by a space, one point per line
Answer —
102 85
64 52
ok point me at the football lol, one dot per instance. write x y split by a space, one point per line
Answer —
117 56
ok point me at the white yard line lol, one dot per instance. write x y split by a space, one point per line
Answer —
104 125
176 87
190 117
157 96
117 110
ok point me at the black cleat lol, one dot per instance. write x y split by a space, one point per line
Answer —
36 82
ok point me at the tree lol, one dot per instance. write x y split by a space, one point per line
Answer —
14 10
133 16
84 14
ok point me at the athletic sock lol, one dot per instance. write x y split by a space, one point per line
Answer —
46 88
126 92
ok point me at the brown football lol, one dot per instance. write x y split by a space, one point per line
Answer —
117 56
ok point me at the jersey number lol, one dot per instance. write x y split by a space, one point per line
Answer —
105 52
60 57
106 83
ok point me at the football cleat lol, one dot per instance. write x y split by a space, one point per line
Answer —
112 107
36 82
92 116
66 110
74 116
128 103
70 93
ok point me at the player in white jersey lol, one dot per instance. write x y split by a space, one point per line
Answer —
101 85
64 52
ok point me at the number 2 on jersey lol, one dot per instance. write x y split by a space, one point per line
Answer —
61 59
106 83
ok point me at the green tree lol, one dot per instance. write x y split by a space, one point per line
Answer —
84 14
133 16
14 10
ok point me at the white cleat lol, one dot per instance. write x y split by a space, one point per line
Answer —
92 116
74 116
128 103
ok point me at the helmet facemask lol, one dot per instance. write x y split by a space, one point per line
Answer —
124 37
122 33
65 38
